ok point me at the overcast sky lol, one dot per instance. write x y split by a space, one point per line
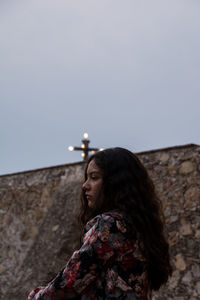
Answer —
127 72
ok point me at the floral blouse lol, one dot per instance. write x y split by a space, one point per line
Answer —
108 266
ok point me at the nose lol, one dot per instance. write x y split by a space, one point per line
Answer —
85 186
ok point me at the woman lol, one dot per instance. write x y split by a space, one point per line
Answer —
124 252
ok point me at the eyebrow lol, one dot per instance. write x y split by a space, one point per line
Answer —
94 172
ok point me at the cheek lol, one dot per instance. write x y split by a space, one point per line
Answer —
98 189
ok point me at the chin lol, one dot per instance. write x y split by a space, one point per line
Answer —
90 204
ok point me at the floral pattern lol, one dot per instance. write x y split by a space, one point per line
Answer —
108 266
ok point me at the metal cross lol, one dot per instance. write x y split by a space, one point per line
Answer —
84 147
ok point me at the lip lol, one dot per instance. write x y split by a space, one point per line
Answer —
88 196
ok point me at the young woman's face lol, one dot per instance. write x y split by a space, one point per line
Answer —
93 185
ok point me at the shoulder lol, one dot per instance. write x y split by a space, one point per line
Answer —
113 220
107 228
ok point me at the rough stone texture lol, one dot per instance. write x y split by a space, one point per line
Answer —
176 174
38 229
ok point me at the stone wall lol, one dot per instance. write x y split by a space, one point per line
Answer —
176 174
38 228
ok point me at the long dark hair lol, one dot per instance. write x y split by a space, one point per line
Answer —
128 187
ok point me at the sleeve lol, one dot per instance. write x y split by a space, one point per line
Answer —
85 264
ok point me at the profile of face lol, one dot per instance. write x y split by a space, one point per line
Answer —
93 186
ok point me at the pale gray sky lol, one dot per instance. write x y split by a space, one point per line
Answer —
127 72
